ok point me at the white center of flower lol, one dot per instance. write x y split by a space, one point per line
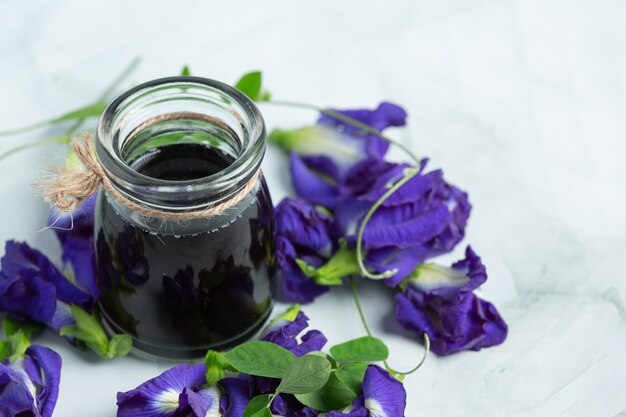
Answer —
214 409
167 400
375 408
431 276
18 367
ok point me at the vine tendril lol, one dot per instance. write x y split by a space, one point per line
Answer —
359 308
408 174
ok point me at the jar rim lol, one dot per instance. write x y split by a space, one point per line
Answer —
166 194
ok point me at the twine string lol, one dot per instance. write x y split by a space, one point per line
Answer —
69 187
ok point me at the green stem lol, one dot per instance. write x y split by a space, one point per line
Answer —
77 124
24 129
359 239
368 129
109 90
348 120
12 151
359 307
65 138
357 301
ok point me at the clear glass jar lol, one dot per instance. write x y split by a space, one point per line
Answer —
183 144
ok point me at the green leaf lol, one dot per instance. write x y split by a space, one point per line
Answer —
186 71
352 374
250 85
216 366
265 412
89 332
12 326
257 405
260 359
306 374
363 349
335 395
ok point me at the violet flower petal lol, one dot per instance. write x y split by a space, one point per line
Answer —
159 396
440 302
19 257
238 395
204 402
309 185
384 395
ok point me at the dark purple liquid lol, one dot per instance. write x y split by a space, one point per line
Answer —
179 296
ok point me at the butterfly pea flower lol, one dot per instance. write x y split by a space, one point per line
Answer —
383 396
442 303
31 287
286 331
344 141
29 386
182 392
288 406
425 217
75 232
303 231
322 154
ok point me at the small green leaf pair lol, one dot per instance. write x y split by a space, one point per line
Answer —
301 375
344 383
88 332
322 382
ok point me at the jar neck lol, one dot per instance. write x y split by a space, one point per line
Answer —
189 113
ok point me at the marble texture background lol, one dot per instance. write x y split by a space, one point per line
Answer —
523 103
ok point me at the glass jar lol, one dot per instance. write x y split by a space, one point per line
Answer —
180 287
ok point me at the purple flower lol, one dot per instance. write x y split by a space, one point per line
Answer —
237 396
425 217
302 232
169 394
441 302
384 116
322 154
182 392
288 406
285 332
383 396
31 287
203 402
29 386
346 143
75 233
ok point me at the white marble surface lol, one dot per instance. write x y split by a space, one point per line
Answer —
523 103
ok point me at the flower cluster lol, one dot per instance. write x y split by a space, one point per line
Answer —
33 288
185 391
339 172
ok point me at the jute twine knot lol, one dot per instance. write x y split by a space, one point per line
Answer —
69 187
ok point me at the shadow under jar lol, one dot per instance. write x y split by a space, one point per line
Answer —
182 286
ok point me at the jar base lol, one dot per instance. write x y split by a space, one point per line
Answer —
177 354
